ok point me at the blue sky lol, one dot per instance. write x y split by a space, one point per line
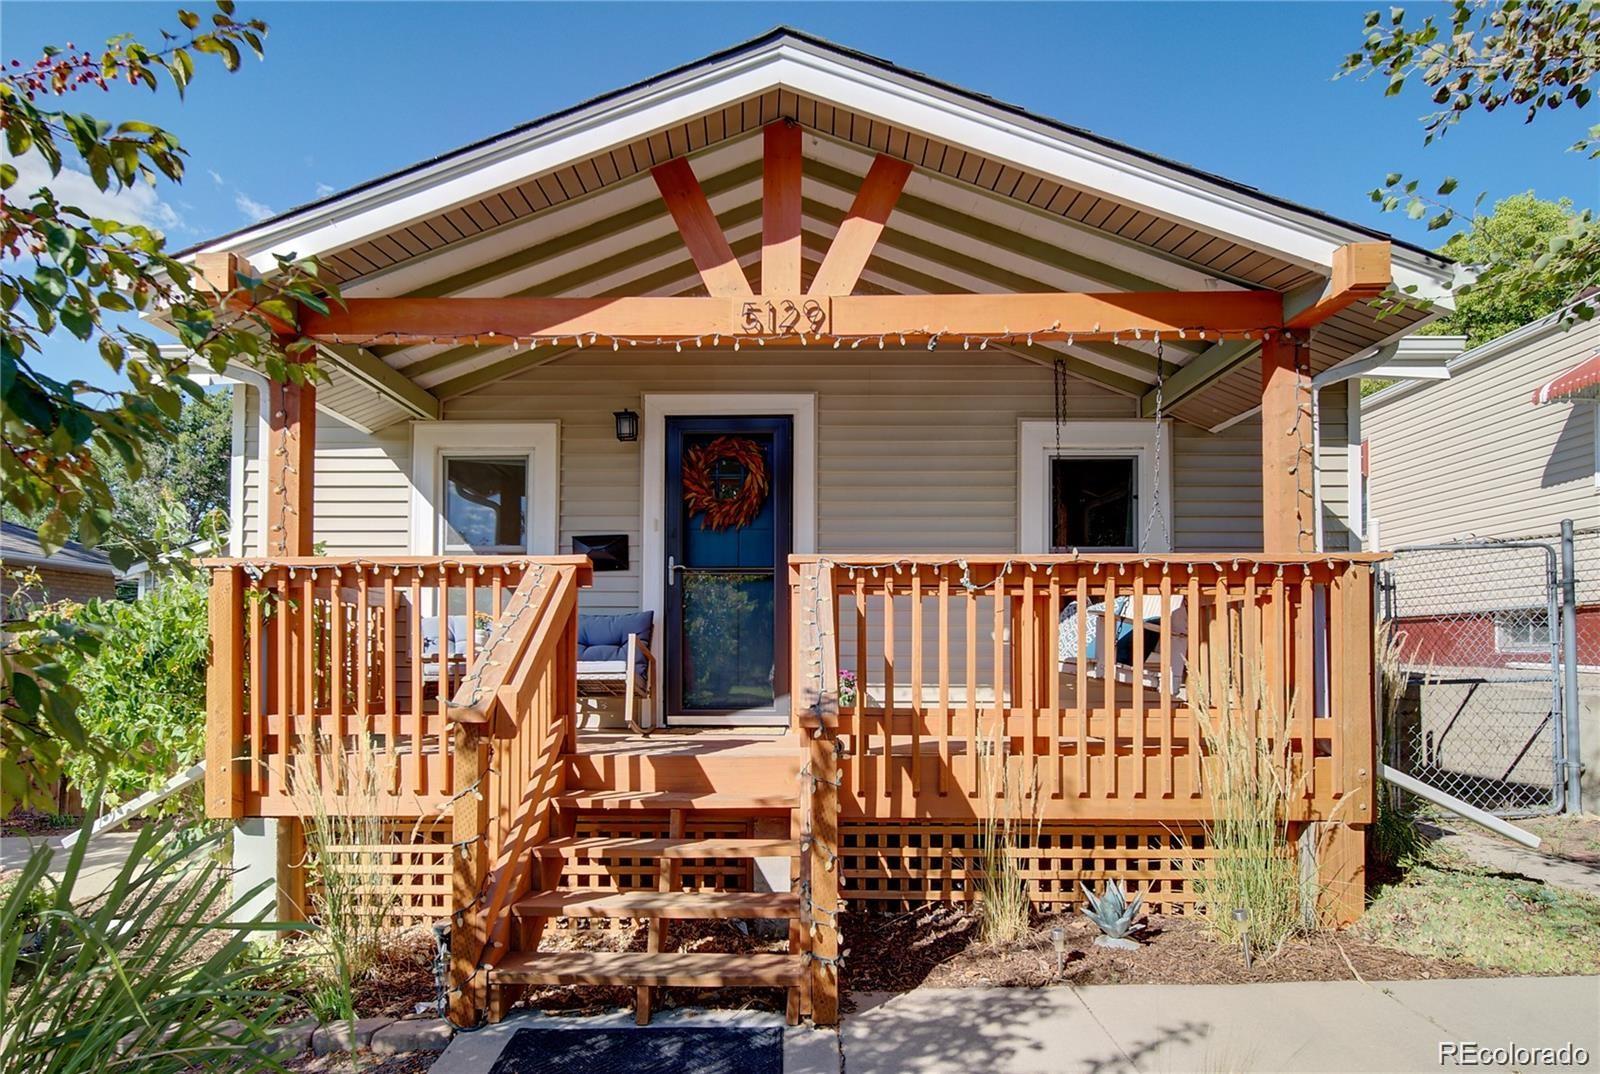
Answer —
352 90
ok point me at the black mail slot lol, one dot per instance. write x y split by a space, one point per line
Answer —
609 552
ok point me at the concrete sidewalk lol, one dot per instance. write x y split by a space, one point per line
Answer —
1341 1026
101 861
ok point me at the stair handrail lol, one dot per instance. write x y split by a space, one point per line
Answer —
476 699
509 715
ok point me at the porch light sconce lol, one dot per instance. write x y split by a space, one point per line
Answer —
627 426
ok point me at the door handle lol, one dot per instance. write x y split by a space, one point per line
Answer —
673 567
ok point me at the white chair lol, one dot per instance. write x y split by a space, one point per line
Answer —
1128 619
614 660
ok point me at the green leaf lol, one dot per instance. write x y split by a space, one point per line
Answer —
59 241
53 531
1448 186
111 352
25 691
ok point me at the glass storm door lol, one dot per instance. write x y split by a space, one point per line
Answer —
727 544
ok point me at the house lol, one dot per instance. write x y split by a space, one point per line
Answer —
885 402
72 572
1487 463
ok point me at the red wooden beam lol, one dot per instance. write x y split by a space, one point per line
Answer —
291 467
1053 316
708 246
858 234
780 209
1046 317
1361 272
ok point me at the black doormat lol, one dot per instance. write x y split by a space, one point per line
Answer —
712 1050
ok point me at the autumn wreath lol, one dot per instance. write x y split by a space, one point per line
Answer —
700 491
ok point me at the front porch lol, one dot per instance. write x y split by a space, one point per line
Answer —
969 691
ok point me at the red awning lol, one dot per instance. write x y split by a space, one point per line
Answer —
1582 381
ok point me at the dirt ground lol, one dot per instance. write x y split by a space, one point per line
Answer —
938 946
1575 837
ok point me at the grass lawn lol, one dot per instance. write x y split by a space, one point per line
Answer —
1447 907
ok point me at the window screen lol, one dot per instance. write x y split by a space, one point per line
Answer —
1092 503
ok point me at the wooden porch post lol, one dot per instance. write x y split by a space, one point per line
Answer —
225 695
1288 505
291 467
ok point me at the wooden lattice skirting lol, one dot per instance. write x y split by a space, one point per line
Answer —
407 876
907 862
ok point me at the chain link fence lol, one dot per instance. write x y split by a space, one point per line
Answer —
1477 636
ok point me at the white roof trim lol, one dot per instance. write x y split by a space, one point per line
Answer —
1414 357
1484 352
815 70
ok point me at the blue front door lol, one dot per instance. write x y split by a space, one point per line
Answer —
727 541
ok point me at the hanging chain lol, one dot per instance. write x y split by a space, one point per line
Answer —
1061 400
1156 506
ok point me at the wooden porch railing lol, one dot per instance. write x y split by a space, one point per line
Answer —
932 686
955 658
346 666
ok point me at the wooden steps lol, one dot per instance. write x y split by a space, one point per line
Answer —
670 800
660 905
602 847
656 967
676 969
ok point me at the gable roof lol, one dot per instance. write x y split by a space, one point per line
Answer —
779 52
779 36
1000 200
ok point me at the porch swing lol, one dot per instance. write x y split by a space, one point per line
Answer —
1115 659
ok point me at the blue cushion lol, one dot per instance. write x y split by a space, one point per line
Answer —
605 637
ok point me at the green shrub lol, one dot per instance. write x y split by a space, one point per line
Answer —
144 690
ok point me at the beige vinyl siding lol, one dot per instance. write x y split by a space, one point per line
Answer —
917 452
1472 455
913 455
1216 483
1333 466
363 489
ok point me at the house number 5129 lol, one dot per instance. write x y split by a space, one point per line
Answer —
781 317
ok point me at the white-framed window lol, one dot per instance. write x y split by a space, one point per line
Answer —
1524 630
485 488
486 498
1106 485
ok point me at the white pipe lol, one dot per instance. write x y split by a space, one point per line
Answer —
125 812
1459 808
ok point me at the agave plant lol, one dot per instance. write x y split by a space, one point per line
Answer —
1116 916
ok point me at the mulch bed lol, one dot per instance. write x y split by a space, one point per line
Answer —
402 979
938 946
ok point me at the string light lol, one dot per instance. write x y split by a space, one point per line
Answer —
805 336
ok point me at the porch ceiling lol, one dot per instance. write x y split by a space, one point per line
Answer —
945 236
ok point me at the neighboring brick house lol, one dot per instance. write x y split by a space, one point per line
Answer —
72 573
